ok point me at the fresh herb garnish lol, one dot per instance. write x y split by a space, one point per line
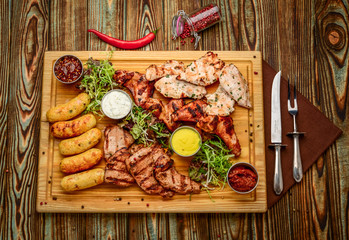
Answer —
211 164
97 81
145 129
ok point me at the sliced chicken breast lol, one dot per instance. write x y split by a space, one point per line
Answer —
171 67
170 87
204 71
219 103
235 85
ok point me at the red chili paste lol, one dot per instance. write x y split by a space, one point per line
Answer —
242 178
68 69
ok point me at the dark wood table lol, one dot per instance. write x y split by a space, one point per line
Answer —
308 39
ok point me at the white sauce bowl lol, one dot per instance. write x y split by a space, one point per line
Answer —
116 104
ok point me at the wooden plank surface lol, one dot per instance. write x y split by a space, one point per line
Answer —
306 38
248 127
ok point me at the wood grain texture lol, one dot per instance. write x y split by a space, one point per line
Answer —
306 38
4 94
28 41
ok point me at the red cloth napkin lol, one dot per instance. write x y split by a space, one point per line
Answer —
320 134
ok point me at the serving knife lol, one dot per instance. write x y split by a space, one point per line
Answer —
276 132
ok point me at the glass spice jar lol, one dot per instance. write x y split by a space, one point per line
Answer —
185 25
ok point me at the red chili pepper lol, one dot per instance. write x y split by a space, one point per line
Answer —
125 44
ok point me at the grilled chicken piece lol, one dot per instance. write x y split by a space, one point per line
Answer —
168 176
122 76
141 166
225 130
140 88
153 105
135 148
204 71
116 171
208 124
219 103
167 113
191 112
170 87
170 67
115 138
235 85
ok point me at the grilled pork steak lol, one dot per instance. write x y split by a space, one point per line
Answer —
168 176
115 138
116 171
141 166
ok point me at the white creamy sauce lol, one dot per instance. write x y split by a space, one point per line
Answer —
116 105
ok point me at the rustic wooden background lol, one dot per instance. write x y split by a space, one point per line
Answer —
307 38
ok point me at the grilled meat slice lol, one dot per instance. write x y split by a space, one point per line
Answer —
140 88
225 130
168 176
219 103
170 87
141 166
170 67
116 171
191 112
204 71
135 148
208 124
153 105
115 138
235 85
167 113
122 76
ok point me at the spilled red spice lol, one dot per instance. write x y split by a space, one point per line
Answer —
242 178
68 69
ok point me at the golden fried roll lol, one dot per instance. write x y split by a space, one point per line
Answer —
82 161
73 128
83 180
81 143
68 110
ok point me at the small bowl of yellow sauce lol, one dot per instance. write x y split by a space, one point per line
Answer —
185 141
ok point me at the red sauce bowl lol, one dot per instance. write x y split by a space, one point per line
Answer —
68 69
242 177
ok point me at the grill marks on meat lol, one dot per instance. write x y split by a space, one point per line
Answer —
116 171
171 87
140 88
141 166
153 105
115 139
167 113
204 71
225 130
168 176
171 67
191 112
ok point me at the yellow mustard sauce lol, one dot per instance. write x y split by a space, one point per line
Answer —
185 141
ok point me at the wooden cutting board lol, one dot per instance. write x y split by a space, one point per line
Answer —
249 126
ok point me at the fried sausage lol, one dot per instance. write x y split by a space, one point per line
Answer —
68 110
82 161
73 128
83 180
81 143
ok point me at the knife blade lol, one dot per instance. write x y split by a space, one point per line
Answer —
276 132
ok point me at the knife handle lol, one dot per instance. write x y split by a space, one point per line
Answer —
278 182
297 163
